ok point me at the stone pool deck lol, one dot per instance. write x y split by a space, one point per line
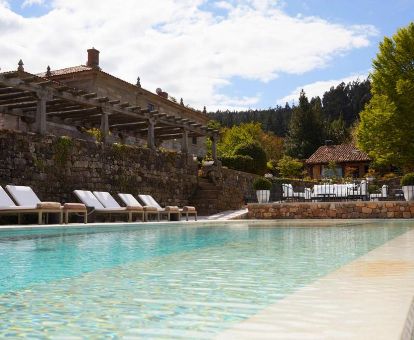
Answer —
369 298
338 210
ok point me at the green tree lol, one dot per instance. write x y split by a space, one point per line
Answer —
306 130
240 134
386 129
256 152
337 131
289 167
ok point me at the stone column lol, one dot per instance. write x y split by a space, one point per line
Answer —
151 134
105 127
214 147
40 118
184 142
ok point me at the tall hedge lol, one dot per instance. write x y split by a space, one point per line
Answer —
256 152
239 162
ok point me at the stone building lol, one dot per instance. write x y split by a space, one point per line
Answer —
93 83
347 158
92 78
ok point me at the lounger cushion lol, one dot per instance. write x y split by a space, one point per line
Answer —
134 208
88 199
189 208
74 206
23 195
172 208
148 208
48 205
5 200
129 200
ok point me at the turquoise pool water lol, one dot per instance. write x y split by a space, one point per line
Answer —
171 281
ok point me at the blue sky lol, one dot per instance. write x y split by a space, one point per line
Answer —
223 54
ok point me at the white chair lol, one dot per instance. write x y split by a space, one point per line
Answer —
109 202
131 201
28 202
288 192
323 191
342 190
148 200
378 196
8 207
91 201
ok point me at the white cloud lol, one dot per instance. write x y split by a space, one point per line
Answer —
175 45
28 3
318 88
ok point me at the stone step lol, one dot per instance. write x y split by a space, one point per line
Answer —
200 195
206 206
208 186
206 197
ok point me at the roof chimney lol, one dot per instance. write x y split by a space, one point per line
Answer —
93 58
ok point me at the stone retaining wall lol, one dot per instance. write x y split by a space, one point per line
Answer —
359 209
55 166
237 189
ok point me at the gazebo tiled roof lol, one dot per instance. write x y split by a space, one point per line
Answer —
338 153
67 70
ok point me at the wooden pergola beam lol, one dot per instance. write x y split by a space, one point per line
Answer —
16 100
90 95
21 104
7 89
13 95
170 136
129 126
71 113
74 96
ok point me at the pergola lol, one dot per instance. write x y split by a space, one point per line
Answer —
41 100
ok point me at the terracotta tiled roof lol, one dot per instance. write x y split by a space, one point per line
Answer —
337 153
83 68
68 70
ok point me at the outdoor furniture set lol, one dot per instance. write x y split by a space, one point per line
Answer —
331 192
19 200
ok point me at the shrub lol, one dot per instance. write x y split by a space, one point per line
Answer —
272 166
389 176
289 167
256 152
407 179
238 162
373 188
262 183
62 149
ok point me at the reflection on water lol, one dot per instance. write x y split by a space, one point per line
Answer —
173 281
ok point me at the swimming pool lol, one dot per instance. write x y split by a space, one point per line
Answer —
166 281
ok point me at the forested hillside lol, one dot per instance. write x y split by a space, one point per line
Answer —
344 102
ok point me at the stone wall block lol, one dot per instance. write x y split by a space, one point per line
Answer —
333 210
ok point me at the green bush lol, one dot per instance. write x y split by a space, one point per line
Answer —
256 152
238 162
262 183
289 167
407 179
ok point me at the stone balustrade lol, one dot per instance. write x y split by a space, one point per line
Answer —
357 209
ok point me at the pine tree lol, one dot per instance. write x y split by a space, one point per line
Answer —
306 132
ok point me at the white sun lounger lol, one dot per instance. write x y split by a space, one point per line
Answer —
91 201
28 202
109 203
131 201
148 200
8 207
